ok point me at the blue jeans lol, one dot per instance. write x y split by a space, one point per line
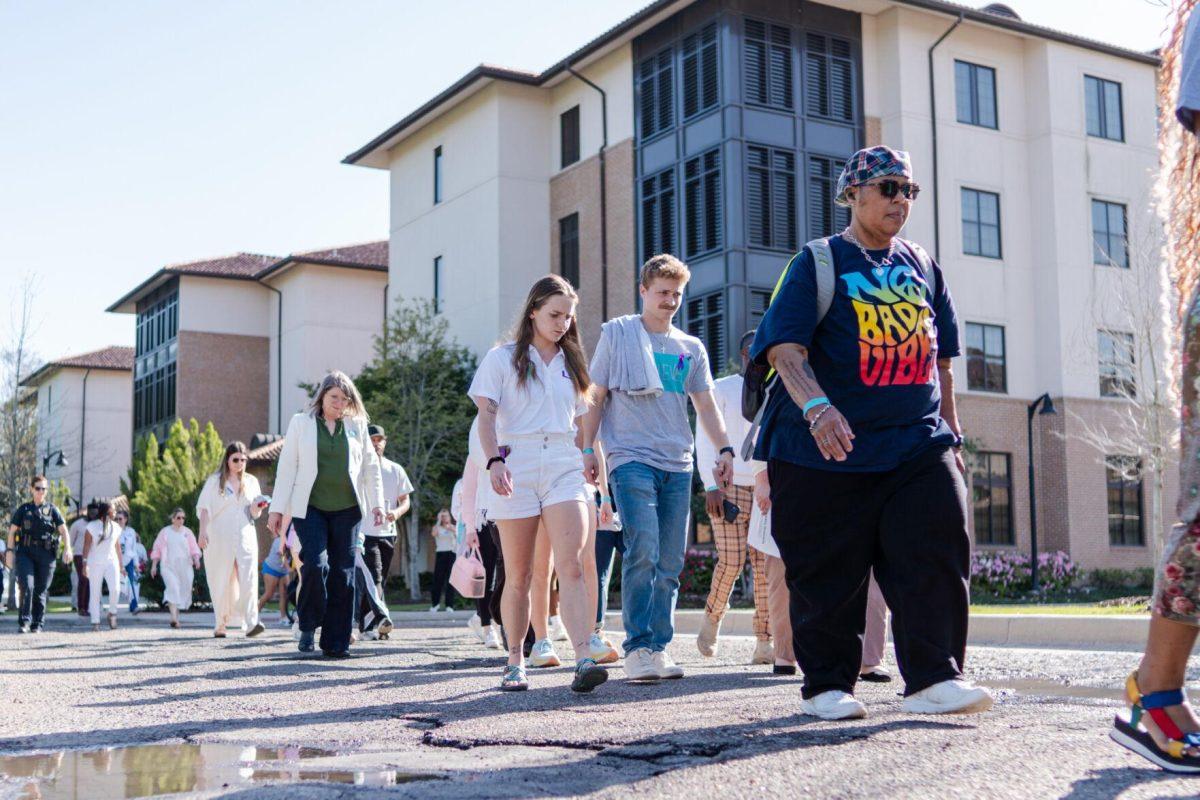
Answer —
132 574
655 505
326 598
607 543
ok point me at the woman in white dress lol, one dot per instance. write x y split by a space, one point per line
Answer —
229 504
102 555
176 550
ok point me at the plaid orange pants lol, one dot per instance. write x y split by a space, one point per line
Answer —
730 538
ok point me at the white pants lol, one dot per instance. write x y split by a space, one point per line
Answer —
231 566
110 573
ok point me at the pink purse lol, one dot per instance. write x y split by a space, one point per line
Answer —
468 576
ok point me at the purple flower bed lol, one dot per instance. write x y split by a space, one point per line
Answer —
1005 573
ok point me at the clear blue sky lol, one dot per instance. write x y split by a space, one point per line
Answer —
138 133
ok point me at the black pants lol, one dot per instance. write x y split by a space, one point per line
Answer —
35 570
498 591
910 526
326 598
489 550
377 555
442 565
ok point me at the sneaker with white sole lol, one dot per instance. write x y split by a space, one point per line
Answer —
602 650
834 704
476 627
949 697
370 636
764 652
557 631
666 668
492 640
706 640
639 666
543 654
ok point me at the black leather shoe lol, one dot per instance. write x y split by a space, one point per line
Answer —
876 675
784 669
336 653
306 642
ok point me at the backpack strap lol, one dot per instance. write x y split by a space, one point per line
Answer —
825 274
926 264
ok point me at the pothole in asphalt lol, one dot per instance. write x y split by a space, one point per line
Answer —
161 769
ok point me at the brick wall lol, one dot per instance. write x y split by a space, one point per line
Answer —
223 379
577 189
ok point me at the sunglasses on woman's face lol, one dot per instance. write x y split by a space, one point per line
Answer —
890 189
238 459
39 488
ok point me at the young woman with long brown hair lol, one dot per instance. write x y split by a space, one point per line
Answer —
531 394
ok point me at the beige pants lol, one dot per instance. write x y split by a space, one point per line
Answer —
730 538
874 640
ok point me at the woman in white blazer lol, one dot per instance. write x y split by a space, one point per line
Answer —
327 478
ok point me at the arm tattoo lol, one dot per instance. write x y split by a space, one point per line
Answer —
798 377
492 405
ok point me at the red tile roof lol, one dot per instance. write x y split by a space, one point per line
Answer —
111 358
367 254
267 454
240 265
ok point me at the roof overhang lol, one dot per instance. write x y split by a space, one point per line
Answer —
375 153
276 270
47 371
128 303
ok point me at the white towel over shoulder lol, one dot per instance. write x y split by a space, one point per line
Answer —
633 368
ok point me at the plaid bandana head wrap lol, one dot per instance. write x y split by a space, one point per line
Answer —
868 164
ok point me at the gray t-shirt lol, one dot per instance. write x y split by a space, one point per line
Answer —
654 430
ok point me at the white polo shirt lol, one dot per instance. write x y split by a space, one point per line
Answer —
395 483
547 403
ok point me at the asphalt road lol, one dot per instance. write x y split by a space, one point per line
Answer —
424 705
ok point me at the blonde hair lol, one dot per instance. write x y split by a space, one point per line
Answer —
664 265
340 380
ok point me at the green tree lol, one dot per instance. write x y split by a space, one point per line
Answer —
160 479
416 388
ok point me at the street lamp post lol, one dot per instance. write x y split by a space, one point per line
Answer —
61 462
1047 407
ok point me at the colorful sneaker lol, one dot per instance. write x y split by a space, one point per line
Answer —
587 676
543 655
602 650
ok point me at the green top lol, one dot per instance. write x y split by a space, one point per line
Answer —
332 490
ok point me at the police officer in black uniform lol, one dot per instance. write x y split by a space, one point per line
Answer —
32 530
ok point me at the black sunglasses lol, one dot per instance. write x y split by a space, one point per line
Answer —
890 189
40 488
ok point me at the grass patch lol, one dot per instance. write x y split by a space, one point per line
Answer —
1056 608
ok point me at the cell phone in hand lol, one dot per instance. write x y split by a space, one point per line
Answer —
731 510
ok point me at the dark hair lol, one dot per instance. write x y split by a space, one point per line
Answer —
572 347
104 511
223 472
33 481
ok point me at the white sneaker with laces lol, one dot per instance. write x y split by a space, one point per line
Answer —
543 654
557 631
602 651
492 639
639 666
834 704
666 668
949 697
476 627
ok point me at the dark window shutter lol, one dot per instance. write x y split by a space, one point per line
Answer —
756 62
568 248
768 64
691 70
825 218
702 203
658 214
712 200
816 78
758 193
655 103
709 84
700 71
829 79
665 91
569 136
781 67
783 199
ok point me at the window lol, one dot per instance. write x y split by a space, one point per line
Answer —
1116 365
568 123
985 358
156 351
975 94
702 203
991 498
828 78
1124 474
768 64
760 300
981 223
771 198
568 248
1103 101
706 321
700 71
1110 245
438 286
825 217
658 214
437 174
656 107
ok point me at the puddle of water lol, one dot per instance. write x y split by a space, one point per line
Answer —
153 770
1044 688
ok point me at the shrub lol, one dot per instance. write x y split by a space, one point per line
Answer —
1122 580
1008 574
697 574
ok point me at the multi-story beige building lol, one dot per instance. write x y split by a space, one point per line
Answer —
719 127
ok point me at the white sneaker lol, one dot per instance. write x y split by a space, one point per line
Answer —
557 631
666 668
476 626
285 623
601 650
764 653
949 697
706 640
834 704
370 636
433 609
639 666
492 639
543 654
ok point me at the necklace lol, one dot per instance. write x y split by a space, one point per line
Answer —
852 239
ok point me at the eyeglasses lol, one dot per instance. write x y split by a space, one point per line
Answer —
890 189
40 488
180 517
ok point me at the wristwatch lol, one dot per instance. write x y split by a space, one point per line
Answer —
726 449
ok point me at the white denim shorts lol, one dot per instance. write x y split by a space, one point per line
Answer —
546 469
